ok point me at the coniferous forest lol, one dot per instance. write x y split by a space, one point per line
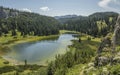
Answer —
26 23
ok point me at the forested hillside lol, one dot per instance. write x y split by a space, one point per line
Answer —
96 24
63 19
13 21
91 55
27 23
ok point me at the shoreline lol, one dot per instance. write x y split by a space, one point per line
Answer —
19 41
25 40
31 39
15 41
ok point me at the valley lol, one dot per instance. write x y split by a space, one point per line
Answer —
34 44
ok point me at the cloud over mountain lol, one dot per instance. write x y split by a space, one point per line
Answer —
106 4
26 9
45 8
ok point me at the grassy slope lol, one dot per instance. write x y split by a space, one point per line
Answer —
85 44
68 31
1 62
10 40
80 69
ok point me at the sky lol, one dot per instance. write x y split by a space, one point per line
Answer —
63 7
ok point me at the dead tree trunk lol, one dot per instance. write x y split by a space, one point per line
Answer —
115 38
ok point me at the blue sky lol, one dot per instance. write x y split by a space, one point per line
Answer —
63 7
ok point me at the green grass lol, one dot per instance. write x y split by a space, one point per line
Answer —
11 40
1 62
101 24
75 70
93 44
85 44
68 31
90 44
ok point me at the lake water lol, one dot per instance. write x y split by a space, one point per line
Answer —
39 52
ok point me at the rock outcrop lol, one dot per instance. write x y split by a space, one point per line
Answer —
116 34
6 12
106 42
107 49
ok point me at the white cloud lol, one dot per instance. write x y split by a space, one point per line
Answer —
105 4
26 9
45 8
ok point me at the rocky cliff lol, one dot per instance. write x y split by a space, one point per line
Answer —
6 12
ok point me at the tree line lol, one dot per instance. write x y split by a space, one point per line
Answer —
97 24
27 23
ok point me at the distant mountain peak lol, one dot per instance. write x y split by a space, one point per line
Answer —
66 16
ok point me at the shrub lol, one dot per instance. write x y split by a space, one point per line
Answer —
89 38
6 62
